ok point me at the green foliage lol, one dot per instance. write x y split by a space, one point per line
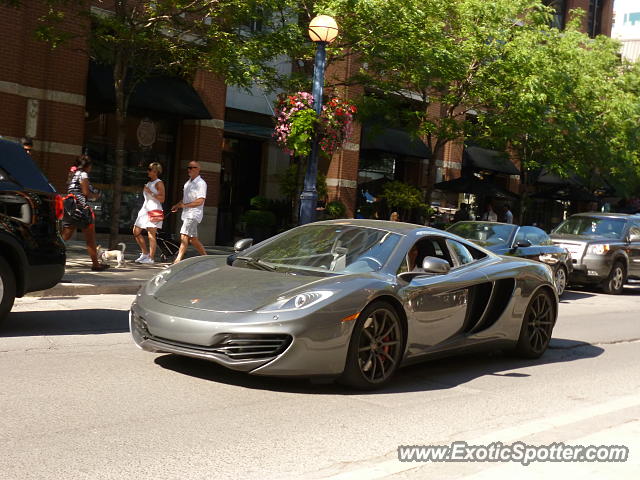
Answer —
260 203
291 181
303 127
402 196
336 209
259 218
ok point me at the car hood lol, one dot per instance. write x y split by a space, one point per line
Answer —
582 238
214 286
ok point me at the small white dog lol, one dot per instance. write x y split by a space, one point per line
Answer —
118 255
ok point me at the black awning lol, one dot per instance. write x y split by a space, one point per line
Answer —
549 178
475 186
485 159
248 129
162 93
393 141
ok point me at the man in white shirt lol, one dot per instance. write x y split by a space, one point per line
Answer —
192 204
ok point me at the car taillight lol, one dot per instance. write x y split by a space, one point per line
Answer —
59 207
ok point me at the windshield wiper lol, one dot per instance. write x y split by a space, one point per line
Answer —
257 263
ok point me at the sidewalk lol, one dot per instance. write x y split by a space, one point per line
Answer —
80 280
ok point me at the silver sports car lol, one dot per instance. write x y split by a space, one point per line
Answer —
351 299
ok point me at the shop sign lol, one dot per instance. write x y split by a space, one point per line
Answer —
146 133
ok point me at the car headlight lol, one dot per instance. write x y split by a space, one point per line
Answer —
297 302
157 281
599 249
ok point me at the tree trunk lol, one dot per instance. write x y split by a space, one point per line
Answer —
431 171
119 78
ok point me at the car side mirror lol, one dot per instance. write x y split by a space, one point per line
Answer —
523 244
435 265
243 244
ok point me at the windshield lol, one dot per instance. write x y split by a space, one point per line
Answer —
603 227
330 248
484 234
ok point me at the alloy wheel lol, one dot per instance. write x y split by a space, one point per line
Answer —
617 278
561 280
539 322
380 345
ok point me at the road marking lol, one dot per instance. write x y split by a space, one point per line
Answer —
506 435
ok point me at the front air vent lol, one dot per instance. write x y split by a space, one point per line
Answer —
252 346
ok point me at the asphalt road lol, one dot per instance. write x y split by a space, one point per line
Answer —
79 401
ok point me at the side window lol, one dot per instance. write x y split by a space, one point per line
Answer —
425 247
461 252
635 229
533 235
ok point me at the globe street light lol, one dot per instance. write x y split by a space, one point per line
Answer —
322 30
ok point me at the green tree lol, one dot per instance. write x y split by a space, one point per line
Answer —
436 58
141 39
568 105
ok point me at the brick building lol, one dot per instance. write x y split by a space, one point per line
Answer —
59 98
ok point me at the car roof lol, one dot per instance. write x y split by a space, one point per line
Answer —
21 168
395 227
607 215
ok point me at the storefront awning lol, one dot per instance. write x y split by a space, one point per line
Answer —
475 186
165 94
485 159
393 141
248 129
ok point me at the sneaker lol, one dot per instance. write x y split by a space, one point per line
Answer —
99 268
147 260
140 258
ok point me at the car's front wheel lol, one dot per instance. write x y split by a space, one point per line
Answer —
614 283
537 326
7 289
375 349
561 279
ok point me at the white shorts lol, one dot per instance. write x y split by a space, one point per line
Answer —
189 227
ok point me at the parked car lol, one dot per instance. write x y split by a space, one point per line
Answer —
604 247
352 299
32 253
526 241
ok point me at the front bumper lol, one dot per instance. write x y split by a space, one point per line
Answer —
591 269
308 345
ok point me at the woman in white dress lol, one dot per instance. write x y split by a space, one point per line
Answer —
153 197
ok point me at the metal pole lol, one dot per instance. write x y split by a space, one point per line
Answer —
309 196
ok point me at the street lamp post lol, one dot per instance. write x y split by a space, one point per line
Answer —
322 30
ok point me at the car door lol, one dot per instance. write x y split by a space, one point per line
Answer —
634 250
436 305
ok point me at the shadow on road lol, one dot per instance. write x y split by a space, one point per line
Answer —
433 375
574 294
65 322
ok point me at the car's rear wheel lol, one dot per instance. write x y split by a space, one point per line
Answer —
375 349
537 326
7 289
614 283
561 279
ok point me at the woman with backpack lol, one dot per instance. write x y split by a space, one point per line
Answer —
78 213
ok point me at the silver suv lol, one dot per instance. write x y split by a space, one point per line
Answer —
604 248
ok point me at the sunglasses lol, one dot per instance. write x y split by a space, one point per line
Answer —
190 168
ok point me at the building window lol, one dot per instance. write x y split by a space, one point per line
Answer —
594 24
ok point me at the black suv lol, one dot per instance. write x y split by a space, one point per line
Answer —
604 248
32 253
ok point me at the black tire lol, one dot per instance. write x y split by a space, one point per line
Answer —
375 349
7 289
537 326
561 278
614 284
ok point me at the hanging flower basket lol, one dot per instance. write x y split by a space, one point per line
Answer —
297 123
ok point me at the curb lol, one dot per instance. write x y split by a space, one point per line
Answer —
73 290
